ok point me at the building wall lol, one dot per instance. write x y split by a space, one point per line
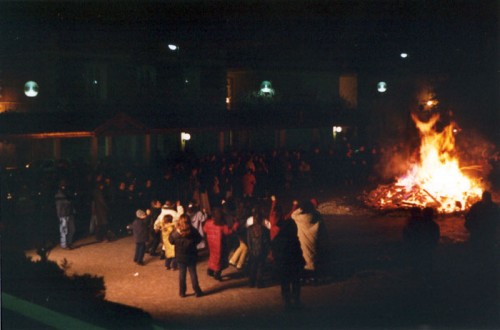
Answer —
295 86
95 76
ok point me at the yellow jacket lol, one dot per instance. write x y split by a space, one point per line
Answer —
166 230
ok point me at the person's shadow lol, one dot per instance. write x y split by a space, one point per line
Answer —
229 281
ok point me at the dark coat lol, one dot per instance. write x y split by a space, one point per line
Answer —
140 230
286 249
185 246
421 236
100 208
258 240
482 222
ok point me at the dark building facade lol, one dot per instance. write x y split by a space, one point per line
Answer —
103 95
125 80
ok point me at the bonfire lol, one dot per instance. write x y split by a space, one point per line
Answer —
436 180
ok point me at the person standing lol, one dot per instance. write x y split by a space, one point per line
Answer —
216 231
258 240
198 218
312 235
238 244
100 213
66 214
141 234
276 214
175 210
185 239
154 237
288 260
482 223
167 227
421 235
248 183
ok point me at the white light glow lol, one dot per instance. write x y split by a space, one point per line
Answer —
336 130
266 89
31 89
173 47
185 136
404 55
382 87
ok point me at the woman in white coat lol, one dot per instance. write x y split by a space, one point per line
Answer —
311 232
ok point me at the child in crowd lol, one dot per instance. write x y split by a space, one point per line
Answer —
185 238
167 227
175 210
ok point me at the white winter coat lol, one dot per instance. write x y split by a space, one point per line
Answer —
308 231
164 211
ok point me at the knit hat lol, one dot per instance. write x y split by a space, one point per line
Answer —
140 214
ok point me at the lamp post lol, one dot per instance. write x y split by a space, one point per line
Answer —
184 137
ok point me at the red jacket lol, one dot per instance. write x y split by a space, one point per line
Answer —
217 245
273 219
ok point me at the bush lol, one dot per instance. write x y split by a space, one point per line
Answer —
80 296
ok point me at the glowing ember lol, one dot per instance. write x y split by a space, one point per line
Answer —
436 181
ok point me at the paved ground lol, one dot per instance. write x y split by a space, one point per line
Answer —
367 286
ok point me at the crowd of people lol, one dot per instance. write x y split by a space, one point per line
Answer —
218 206
238 231
243 233
224 205
107 193
249 235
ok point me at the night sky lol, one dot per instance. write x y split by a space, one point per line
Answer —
366 31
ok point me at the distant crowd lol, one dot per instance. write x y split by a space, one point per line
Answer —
184 177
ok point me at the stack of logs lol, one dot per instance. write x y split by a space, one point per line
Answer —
391 197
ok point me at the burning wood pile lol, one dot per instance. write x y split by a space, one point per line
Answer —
393 196
436 180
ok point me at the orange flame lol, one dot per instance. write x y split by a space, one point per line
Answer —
438 174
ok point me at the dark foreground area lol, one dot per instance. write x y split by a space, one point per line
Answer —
367 284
